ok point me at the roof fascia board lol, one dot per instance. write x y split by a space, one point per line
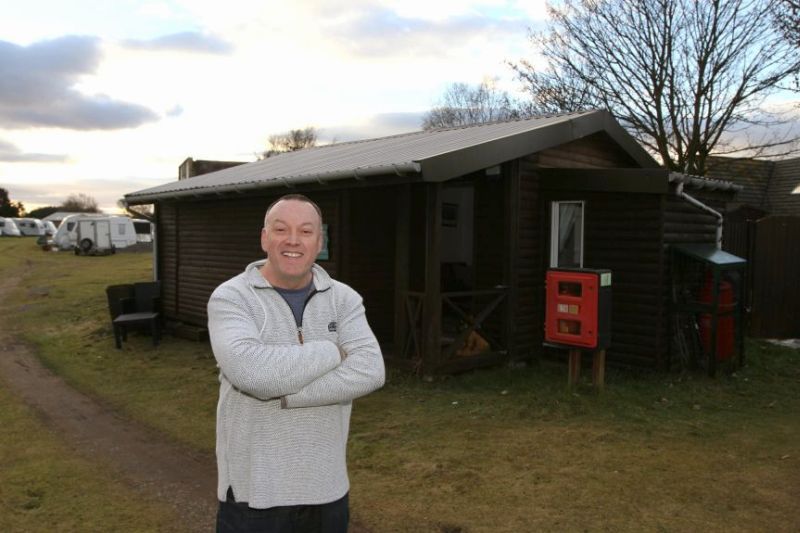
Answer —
626 180
408 172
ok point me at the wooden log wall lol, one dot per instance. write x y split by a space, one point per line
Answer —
605 221
203 243
684 222
529 309
490 232
167 268
594 151
216 240
371 257
622 232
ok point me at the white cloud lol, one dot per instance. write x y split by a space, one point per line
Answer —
37 88
185 41
10 153
380 125
778 124
354 69
160 10
105 192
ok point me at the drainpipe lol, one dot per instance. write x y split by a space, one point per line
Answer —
697 203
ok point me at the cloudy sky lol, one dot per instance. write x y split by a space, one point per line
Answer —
105 98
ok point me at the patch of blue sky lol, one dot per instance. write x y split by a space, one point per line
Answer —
515 12
29 21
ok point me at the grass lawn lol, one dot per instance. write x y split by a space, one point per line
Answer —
498 450
45 487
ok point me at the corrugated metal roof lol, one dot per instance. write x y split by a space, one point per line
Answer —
699 182
433 155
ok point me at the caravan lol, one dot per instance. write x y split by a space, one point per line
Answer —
49 228
144 230
8 228
95 234
30 226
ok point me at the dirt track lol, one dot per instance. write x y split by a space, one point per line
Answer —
148 461
152 464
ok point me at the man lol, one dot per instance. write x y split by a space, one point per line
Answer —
294 349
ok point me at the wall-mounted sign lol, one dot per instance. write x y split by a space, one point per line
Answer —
449 215
324 254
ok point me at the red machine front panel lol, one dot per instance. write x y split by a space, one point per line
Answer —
571 312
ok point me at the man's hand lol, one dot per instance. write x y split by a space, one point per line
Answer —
342 353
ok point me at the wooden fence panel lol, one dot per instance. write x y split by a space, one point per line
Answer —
776 287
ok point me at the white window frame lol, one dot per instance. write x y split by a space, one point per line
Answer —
554 229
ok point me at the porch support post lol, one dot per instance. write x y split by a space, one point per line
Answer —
343 242
511 265
401 266
432 311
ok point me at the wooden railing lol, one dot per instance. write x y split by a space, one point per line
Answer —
463 313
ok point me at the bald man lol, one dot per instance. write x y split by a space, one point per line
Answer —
294 350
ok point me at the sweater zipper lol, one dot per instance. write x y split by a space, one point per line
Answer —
300 326
305 304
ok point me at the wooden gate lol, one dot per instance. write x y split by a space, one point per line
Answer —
775 267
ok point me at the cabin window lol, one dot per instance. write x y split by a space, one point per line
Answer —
566 235
121 229
70 226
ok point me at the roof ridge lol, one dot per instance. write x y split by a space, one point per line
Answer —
518 119
359 141
450 128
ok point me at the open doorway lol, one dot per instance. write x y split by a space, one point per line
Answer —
458 223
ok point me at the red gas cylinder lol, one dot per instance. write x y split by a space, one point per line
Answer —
725 324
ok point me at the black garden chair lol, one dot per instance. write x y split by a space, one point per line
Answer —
135 306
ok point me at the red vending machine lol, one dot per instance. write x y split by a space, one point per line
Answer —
578 308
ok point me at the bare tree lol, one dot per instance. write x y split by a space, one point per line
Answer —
290 141
79 203
787 16
679 75
144 211
463 104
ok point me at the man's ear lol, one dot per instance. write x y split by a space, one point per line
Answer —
264 239
321 241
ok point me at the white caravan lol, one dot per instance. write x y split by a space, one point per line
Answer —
30 226
94 233
144 230
49 228
8 228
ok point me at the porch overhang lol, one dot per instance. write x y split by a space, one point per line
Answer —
626 180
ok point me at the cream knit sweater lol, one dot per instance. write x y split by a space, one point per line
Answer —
285 395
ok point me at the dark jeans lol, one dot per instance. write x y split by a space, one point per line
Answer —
237 517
